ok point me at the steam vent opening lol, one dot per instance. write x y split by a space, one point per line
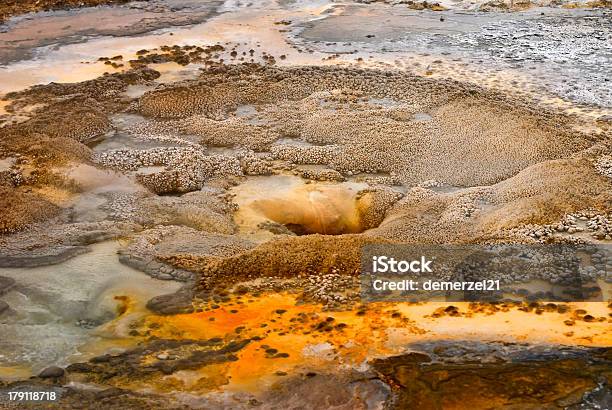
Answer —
290 205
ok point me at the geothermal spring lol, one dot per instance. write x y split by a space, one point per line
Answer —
186 188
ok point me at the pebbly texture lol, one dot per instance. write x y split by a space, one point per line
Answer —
147 250
251 179
15 7
187 169
177 355
281 258
23 209
362 121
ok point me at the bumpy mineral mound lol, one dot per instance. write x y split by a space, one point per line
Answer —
476 164
368 121
253 179
365 155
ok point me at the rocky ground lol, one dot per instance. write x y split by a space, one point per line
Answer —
255 182
16 7
422 379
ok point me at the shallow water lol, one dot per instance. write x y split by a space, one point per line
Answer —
67 61
376 334
533 50
318 207
49 300
545 53
91 304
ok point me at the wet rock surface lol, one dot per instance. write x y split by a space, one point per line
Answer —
177 355
56 244
4 307
173 303
147 250
51 372
11 8
525 379
6 284
73 22
546 377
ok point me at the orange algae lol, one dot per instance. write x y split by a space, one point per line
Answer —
281 332
287 337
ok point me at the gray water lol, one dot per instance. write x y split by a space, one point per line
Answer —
48 302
